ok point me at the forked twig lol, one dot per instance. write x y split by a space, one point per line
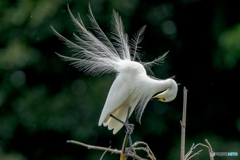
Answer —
146 149
186 157
198 152
209 147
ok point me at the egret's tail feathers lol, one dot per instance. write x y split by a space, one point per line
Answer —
121 114
112 124
117 125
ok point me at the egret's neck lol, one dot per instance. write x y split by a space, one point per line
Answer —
161 85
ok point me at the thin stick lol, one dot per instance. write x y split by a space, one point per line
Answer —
94 147
123 155
133 155
195 154
183 123
104 153
210 150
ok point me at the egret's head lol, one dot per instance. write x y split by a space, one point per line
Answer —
167 95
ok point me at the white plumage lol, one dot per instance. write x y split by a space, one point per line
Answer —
132 86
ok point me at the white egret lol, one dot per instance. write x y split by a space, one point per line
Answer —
96 55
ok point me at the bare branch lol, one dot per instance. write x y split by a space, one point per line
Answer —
189 152
140 142
133 155
195 154
105 152
210 150
200 144
94 147
209 147
186 157
147 149
183 123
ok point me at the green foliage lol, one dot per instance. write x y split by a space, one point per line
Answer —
229 48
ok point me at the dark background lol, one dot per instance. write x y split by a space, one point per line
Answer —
44 101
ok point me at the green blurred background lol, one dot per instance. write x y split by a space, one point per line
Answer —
44 101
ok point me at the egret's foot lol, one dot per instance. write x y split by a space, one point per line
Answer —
129 128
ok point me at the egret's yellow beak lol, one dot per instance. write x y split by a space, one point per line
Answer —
162 99
158 99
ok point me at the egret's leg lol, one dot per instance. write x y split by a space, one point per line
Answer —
129 128
117 119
